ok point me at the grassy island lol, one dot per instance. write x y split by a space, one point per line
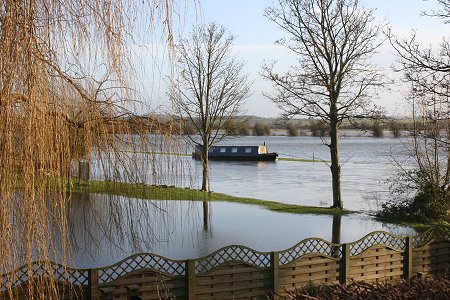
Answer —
153 192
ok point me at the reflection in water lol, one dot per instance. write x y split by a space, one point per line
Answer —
106 231
205 216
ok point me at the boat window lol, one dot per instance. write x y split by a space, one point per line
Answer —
248 150
222 150
234 150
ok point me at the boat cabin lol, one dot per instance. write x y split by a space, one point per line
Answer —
218 150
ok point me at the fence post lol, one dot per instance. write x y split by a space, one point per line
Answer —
274 276
408 258
345 264
190 278
93 287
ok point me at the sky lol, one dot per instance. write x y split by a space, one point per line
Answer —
255 37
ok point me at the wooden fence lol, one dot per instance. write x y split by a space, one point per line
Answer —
238 272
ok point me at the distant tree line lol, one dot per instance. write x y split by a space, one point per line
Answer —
313 127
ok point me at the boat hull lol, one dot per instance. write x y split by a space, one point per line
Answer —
260 157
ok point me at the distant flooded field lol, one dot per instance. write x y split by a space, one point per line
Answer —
367 165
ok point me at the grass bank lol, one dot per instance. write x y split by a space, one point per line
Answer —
152 192
317 160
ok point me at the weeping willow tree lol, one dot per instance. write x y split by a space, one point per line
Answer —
66 74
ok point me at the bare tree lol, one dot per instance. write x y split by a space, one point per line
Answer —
427 70
334 40
211 86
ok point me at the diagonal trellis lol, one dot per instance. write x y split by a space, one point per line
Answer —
430 235
80 277
232 253
377 238
141 261
309 246
38 270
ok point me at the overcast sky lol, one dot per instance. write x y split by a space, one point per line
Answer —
256 36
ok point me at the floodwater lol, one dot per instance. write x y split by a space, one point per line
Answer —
187 229
367 165
179 230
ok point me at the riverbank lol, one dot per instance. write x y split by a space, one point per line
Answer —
153 192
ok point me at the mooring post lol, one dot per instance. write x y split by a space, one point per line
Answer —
408 258
274 276
190 278
345 264
83 170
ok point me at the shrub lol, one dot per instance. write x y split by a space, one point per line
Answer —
430 203
395 127
231 128
292 129
260 129
319 128
244 129
377 129
234 127
189 128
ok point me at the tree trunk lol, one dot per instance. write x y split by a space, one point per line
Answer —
205 181
335 165
447 171
336 235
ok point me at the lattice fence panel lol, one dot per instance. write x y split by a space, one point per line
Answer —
232 253
54 271
141 261
430 235
377 238
309 246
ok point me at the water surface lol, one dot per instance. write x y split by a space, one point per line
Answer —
177 229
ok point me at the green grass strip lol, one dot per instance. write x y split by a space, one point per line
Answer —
152 192
301 159
159 153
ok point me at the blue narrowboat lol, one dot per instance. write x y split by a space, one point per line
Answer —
242 153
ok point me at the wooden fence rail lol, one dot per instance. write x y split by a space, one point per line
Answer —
238 272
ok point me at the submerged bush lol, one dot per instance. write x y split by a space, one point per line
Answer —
396 128
377 130
431 201
319 128
260 129
292 129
